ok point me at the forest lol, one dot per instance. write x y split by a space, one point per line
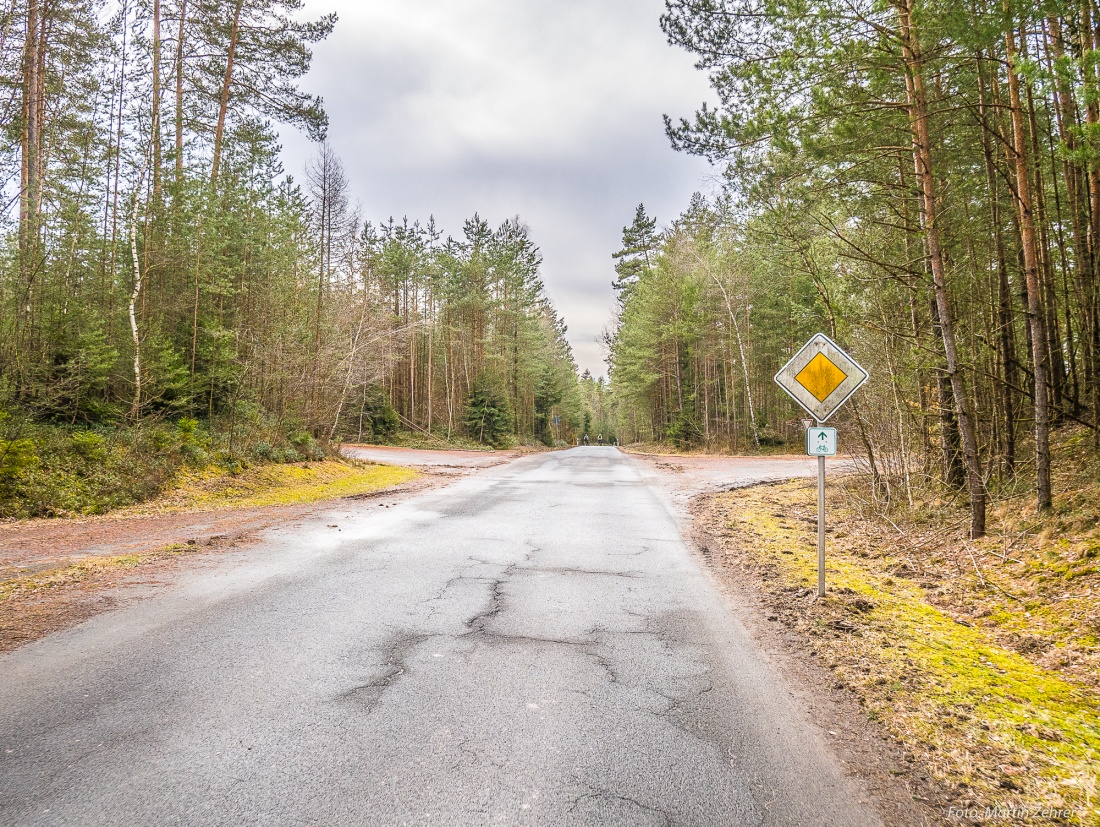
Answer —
169 293
919 180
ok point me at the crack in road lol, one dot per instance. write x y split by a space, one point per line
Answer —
475 756
495 606
395 660
678 702
605 795
629 575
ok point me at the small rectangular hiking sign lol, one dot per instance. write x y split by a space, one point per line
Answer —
821 442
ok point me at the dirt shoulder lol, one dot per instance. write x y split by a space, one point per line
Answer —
925 687
697 473
202 508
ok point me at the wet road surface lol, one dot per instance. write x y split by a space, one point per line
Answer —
532 645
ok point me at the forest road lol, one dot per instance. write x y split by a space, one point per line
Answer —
534 644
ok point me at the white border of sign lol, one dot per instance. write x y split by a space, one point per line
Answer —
817 337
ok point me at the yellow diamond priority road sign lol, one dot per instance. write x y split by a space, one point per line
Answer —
821 377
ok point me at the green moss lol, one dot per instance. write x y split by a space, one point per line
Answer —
917 666
269 485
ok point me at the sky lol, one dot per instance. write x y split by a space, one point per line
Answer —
546 110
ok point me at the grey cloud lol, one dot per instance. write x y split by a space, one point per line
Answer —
548 111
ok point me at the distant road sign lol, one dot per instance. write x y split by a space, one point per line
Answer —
821 442
821 377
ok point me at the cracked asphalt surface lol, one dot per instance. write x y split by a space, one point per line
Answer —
532 645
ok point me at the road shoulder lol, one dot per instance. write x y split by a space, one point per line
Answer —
57 573
952 714
902 792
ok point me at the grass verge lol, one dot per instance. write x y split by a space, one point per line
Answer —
276 484
924 641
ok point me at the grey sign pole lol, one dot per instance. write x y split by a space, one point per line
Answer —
820 525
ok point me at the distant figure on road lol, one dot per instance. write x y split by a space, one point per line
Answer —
586 439
599 439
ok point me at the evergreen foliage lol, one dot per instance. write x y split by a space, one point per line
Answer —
488 418
158 265
918 180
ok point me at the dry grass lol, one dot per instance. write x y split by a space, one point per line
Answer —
83 572
268 485
981 657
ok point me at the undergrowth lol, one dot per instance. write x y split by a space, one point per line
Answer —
50 469
981 656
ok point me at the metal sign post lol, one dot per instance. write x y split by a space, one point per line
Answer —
821 378
821 443
821 526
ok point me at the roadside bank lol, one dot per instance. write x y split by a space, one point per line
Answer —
975 657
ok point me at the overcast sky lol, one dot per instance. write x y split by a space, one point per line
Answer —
546 110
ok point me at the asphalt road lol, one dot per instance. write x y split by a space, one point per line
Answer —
532 645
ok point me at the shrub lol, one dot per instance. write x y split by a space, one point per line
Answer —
306 445
488 417
89 445
17 456
266 452
379 420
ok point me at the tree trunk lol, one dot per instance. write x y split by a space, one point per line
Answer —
135 405
1065 111
30 170
155 109
1092 122
1035 311
922 163
1006 344
179 89
227 85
